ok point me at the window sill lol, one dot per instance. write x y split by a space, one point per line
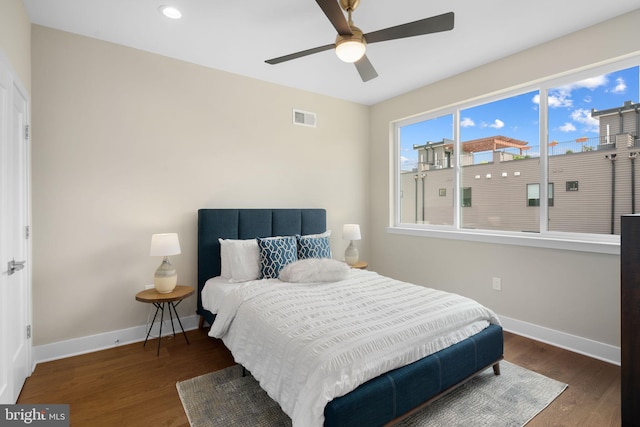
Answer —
564 241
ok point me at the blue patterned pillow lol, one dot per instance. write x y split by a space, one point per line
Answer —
275 253
314 246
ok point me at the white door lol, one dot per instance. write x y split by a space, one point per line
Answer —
15 280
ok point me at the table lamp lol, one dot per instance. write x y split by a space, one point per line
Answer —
166 277
351 232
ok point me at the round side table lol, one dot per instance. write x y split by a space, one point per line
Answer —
162 301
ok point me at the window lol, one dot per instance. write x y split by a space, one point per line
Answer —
499 147
466 197
572 185
426 153
498 139
593 126
533 194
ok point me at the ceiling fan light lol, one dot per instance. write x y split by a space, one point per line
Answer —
350 50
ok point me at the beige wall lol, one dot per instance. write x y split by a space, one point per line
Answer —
573 292
15 39
128 143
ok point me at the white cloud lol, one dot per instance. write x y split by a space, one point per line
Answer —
567 127
621 86
561 96
408 162
592 83
557 98
583 117
467 122
560 99
497 124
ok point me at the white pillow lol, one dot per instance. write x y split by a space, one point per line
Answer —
323 234
314 270
239 259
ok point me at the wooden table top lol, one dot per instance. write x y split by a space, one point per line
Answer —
360 264
151 295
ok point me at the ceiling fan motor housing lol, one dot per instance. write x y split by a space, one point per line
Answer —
356 36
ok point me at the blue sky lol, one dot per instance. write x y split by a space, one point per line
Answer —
518 117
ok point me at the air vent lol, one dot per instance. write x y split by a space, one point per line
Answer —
304 118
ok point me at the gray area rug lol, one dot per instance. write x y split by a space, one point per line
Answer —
225 398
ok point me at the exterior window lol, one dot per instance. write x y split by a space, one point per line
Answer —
498 139
426 150
533 194
593 129
466 197
496 147
572 185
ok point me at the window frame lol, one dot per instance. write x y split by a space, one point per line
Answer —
586 242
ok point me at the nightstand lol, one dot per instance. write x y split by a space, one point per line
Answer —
361 265
161 301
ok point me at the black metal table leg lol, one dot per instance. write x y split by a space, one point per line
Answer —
171 317
151 325
179 322
161 322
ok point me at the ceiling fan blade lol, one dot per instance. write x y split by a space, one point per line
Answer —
300 54
435 24
332 9
366 70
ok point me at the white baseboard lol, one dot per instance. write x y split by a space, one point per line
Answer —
597 350
76 346
73 347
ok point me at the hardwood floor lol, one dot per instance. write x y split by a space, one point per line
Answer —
130 386
127 385
593 395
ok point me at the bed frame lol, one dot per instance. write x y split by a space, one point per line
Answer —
384 399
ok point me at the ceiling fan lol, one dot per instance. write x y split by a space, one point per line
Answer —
351 43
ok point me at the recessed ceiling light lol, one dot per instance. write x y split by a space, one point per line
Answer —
170 12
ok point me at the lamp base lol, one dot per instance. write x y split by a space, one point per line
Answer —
165 278
351 255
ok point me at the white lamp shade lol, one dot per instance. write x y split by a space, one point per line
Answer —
351 232
164 244
350 50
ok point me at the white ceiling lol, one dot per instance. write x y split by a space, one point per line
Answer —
238 36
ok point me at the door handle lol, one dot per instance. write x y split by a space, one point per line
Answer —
14 266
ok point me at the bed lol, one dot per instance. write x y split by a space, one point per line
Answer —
383 399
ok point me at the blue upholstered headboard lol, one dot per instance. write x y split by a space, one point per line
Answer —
247 224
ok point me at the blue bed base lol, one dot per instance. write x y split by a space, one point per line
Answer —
396 393
383 399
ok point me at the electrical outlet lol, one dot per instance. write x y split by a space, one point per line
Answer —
497 284
148 287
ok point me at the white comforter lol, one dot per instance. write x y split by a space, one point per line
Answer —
309 343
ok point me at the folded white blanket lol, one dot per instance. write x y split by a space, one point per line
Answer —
308 343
